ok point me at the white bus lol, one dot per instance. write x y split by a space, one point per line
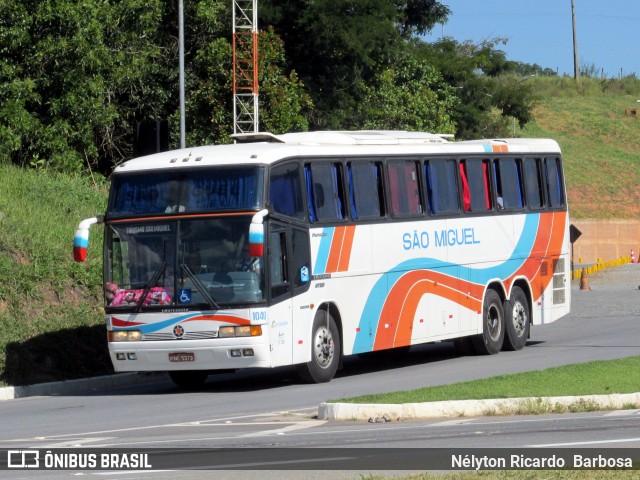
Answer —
302 248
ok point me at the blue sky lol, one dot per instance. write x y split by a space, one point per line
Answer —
539 31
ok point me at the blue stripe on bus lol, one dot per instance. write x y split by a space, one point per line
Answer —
488 148
368 325
154 327
320 266
157 326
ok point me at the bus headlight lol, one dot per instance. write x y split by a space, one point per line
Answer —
125 336
240 331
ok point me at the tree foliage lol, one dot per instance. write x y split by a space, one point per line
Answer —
489 92
336 45
410 95
71 74
76 77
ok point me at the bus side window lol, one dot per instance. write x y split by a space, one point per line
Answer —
285 193
324 191
300 258
442 187
533 183
404 191
364 192
507 175
554 181
278 263
475 185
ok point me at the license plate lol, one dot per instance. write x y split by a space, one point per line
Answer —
182 357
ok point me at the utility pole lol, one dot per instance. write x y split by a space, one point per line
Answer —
576 67
181 75
245 66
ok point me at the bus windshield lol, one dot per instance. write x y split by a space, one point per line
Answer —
194 191
181 263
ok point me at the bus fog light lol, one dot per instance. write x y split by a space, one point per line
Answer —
247 352
235 353
120 356
132 356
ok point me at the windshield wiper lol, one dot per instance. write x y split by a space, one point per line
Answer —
200 286
147 288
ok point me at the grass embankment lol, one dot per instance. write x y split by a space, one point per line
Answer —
602 377
51 315
51 321
600 142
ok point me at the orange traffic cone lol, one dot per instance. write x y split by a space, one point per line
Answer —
633 256
584 281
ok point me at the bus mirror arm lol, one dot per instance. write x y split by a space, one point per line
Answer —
256 233
81 237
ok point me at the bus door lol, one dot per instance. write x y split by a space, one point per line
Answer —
290 314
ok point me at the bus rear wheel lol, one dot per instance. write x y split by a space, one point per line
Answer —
492 337
516 313
325 350
189 379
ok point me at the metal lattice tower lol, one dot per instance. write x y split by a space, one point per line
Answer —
245 66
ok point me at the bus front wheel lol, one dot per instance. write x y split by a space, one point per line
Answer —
325 350
492 337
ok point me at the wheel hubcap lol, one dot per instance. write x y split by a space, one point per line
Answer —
323 347
493 322
519 319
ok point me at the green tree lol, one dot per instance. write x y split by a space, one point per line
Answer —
283 101
75 77
410 95
285 105
336 45
65 69
489 93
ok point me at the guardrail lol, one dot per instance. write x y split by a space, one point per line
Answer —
592 268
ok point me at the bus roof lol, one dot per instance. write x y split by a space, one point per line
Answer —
265 148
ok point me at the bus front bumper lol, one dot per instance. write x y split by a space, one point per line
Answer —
187 355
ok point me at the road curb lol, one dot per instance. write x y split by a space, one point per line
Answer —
470 408
80 385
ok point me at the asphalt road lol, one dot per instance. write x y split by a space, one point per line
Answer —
264 409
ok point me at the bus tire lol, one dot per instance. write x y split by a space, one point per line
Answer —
492 337
325 350
189 379
516 318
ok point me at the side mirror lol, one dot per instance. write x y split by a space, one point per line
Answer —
256 234
81 238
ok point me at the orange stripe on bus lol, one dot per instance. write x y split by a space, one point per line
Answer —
345 255
395 325
334 251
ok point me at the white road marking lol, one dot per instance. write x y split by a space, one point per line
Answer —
75 442
592 442
290 428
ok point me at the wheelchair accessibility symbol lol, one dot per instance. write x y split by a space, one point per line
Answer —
184 295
